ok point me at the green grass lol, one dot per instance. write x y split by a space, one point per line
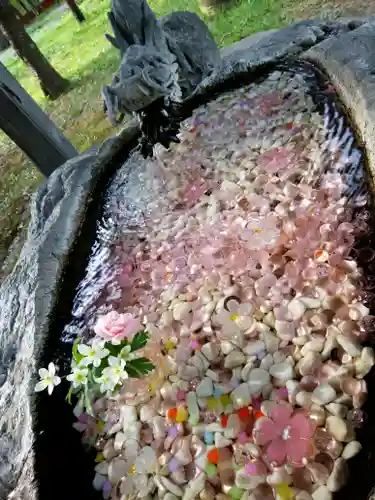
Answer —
82 54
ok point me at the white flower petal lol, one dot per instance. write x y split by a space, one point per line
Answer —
245 309
56 380
98 343
233 306
43 373
84 349
40 386
52 369
113 361
50 388
103 353
85 362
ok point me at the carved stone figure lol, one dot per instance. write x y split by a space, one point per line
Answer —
162 62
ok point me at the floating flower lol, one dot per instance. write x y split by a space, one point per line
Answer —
139 464
49 379
115 327
235 319
93 354
146 461
261 232
126 354
78 377
117 368
287 436
108 381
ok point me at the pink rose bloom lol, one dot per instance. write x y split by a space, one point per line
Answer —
115 327
286 435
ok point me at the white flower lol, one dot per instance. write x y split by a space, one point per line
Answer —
126 354
139 466
117 367
49 379
235 319
261 231
146 461
78 377
93 353
108 380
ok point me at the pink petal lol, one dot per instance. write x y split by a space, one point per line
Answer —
281 416
301 427
277 450
297 449
266 431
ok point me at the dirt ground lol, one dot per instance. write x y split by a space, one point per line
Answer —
334 9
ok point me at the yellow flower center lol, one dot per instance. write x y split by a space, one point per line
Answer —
132 469
233 317
257 230
170 345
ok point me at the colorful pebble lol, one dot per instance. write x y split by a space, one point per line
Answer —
236 493
242 437
194 344
224 420
284 492
244 414
213 456
258 414
182 415
172 413
173 465
212 403
209 438
211 470
218 392
181 395
173 432
225 400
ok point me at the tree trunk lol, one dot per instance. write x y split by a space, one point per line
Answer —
77 13
51 82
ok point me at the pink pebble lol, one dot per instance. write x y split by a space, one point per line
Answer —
251 469
181 395
194 344
242 437
282 393
173 465
256 468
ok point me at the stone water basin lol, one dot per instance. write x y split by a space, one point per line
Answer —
238 254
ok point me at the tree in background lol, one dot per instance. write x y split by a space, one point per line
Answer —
51 82
76 11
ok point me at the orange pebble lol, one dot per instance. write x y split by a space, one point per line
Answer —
172 413
213 456
224 420
244 414
258 414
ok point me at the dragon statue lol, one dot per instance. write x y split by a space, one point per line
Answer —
162 62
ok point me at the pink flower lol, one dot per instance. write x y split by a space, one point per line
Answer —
286 435
115 327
